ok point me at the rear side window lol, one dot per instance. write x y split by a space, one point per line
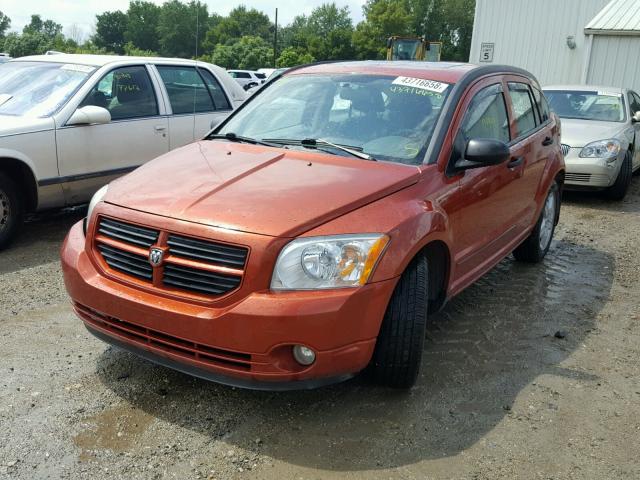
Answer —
486 116
261 76
543 106
186 89
522 108
217 93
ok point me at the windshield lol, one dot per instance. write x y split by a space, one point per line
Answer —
587 105
388 118
406 49
38 89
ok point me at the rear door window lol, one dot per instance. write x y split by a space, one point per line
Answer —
220 100
186 89
541 103
523 108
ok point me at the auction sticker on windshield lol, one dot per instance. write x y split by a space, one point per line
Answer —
421 83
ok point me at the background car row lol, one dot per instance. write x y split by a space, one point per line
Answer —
71 123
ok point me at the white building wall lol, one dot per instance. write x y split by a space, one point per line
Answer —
532 34
615 61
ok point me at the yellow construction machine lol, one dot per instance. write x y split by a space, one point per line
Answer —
413 48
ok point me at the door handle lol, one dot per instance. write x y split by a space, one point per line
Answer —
160 128
547 141
515 162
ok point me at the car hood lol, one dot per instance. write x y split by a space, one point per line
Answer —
11 125
578 133
263 190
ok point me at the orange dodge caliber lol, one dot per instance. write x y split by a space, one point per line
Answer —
308 236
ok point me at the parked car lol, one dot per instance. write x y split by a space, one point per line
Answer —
299 244
273 74
71 123
600 136
248 78
4 57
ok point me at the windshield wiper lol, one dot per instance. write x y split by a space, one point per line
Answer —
232 137
315 142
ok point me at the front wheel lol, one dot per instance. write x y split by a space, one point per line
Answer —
536 245
618 190
398 352
11 210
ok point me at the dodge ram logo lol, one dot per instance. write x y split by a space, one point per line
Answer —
155 257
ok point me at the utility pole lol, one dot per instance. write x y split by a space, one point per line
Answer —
275 42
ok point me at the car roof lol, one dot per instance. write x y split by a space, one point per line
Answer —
449 72
100 60
585 88
238 70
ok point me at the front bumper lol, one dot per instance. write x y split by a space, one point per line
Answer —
590 173
247 343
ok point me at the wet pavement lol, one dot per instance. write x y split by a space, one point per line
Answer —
532 372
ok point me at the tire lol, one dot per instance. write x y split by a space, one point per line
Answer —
618 190
11 210
398 352
536 245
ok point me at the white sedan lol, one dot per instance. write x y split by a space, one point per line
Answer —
600 136
71 123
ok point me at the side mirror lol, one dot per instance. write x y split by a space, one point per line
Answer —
483 152
250 85
88 115
636 117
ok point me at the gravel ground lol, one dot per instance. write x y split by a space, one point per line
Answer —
532 373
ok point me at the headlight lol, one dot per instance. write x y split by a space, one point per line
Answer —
328 262
97 198
601 149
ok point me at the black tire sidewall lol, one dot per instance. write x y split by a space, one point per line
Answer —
618 190
7 234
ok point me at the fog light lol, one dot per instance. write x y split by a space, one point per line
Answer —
303 355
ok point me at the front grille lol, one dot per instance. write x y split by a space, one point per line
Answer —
125 232
216 253
191 265
177 346
565 149
126 262
578 177
197 280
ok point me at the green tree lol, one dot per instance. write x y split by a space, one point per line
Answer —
142 25
325 34
383 18
48 28
133 51
5 24
27 44
447 21
291 56
248 53
240 23
110 30
177 28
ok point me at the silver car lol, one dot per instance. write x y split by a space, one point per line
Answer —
600 136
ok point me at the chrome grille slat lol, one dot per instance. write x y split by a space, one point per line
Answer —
120 248
565 149
216 253
128 233
198 280
126 262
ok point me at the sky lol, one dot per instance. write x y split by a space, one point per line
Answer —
82 13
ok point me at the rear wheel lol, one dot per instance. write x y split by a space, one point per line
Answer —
398 353
11 210
536 245
618 190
